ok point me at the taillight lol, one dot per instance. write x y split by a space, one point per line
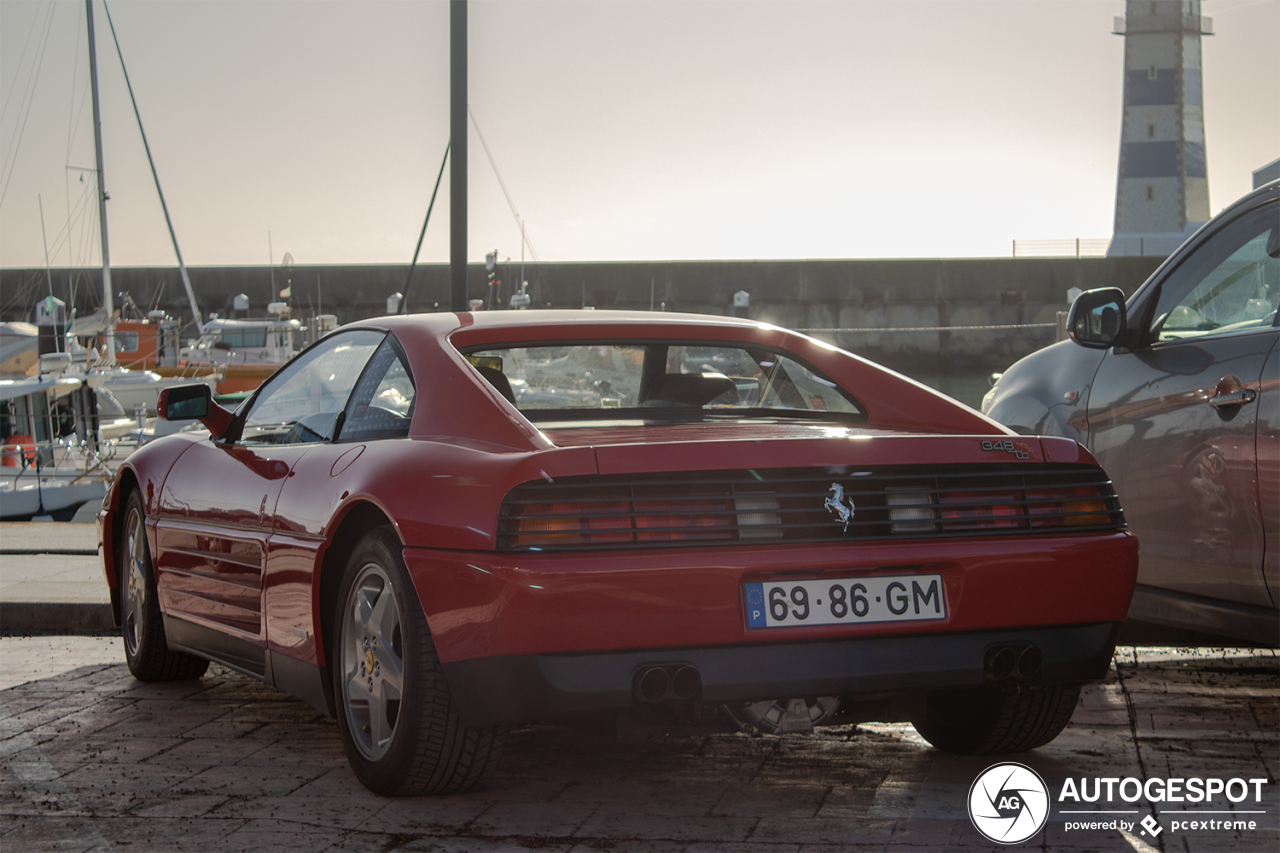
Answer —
552 524
915 511
979 510
585 523
758 517
910 511
1075 507
669 521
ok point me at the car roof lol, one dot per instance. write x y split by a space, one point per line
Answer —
574 323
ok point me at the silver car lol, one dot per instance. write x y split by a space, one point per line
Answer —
1176 391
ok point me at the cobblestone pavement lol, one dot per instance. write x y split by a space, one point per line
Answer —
95 760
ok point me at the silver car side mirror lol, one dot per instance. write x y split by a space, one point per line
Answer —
1097 318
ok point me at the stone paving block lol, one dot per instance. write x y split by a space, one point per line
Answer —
186 806
847 803
642 820
291 712
159 719
227 729
751 844
491 845
205 752
785 800
319 731
808 831
691 769
271 836
937 834
116 787
250 781
336 779
425 815
696 799
327 751
630 845
532 819
329 812
167 834
505 787
69 753
365 842
49 711
740 746
49 833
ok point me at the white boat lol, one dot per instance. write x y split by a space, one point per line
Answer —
51 457
130 388
140 388
246 342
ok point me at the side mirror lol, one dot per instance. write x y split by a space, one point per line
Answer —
193 403
1097 318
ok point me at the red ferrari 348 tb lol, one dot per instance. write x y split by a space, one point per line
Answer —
433 526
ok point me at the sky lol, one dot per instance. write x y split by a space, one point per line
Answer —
622 129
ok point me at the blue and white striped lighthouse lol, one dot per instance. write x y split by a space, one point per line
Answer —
1162 189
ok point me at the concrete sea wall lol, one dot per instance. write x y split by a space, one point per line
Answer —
914 315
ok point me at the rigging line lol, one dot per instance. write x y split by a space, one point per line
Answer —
64 232
28 100
73 120
404 294
78 115
182 267
501 183
9 95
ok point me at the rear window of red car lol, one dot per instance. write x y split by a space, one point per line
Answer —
660 380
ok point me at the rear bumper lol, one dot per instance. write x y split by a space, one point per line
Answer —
494 604
529 687
524 636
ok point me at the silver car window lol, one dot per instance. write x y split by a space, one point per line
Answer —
1235 288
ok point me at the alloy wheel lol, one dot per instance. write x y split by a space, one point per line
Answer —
372 663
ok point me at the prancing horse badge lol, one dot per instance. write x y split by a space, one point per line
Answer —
835 505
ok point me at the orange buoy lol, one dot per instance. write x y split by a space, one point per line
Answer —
15 448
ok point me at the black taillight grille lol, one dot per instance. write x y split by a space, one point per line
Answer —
805 505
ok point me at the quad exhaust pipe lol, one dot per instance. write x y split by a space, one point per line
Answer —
655 684
1012 661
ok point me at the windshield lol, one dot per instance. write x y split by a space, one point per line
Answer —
660 381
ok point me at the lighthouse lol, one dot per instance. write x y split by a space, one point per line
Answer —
1162 185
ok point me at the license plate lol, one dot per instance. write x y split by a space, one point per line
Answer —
845 601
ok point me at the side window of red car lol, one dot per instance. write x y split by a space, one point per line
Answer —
381 405
302 402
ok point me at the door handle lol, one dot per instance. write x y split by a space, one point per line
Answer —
1234 398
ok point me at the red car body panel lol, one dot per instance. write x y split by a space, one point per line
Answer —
238 534
524 604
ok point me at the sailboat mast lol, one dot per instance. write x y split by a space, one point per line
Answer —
108 302
182 267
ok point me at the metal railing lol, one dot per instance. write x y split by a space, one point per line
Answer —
1079 247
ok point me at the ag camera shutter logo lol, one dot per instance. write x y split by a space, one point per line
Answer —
1008 803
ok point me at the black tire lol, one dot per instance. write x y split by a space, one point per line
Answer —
400 729
145 648
995 718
